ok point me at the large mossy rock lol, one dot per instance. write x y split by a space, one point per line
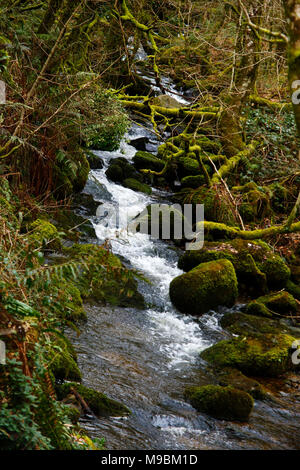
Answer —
98 402
240 323
217 206
221 402
63 361
120 169
270 305
145 160
192 182
105 279
166 220
265 355
205 287
257 266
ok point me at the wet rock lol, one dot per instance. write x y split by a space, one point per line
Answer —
240 323
235 378
106 280
221 402
140 143
96 162
120 169
98 402
205 287
135 185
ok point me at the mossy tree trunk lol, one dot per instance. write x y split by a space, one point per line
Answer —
292 10
244 78
50 16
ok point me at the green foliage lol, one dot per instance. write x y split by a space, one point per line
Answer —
110 122
279 153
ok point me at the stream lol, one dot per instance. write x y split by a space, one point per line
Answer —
145 359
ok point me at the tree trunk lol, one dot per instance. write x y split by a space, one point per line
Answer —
244 79
292 10
49 17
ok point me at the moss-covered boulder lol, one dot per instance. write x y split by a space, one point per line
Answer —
240 323
205 287
98 402
229 377
217 205
114 173
193 182
105 279
293 289
145 160
257 266
63 361
265 355
136 185
281 303
43 233
221 402
120 169
168 222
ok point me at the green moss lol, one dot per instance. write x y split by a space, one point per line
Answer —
255 263
43 233
63 361
221 402
120 169
240 323
99 403
135 185
188 167
217 208
192 181
279 302
235 378
106 280
260 355
277 272
205 287
145 160
73 305
293 289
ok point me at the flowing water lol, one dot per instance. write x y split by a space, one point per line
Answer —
145 359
